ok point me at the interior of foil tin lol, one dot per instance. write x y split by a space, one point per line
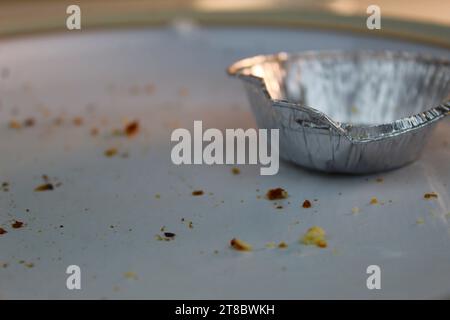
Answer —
359 89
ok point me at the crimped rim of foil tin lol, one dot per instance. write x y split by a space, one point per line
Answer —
365 133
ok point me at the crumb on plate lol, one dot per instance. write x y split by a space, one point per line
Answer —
240 245
276 194
282 245
111 152
430 195
315 236
197 192
17 224
44 187
77 121
131 129
14 124
270 245
306 204
130 275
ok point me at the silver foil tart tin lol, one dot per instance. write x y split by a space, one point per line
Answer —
351 112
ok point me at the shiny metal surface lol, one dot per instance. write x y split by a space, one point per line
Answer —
351 112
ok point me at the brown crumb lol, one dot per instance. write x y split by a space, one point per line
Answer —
374 200
131 129
3 231
13 124
191 225
94 132
44 187
17 224
279 207
430 195
379 180
282 245
197 192
111 152
235 170
58 121
277 193
183 92
240 245
78 121
29 122
306 204
149 88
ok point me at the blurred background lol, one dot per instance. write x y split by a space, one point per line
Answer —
26 16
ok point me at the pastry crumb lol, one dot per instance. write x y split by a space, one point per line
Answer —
132 129
235 170
44 187
111 152
17 224
282 245
14 124
130 275
77 121
306 204
198 192
430 195
373 200
240 245
315 236
270 245
276 194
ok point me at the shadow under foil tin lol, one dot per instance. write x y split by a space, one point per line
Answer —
349 112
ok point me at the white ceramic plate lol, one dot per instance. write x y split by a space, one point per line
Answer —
104 216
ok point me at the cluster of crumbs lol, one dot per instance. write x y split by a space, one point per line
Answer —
240 245
315 236
16 224
276 194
